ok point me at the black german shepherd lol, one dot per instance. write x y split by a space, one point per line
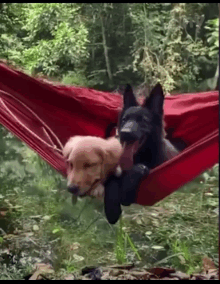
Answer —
141 131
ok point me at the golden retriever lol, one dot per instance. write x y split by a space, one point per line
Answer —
90 160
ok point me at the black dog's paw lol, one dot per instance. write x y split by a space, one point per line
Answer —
112 200
130 181
141 169
122 191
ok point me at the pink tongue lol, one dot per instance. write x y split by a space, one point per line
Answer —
126 160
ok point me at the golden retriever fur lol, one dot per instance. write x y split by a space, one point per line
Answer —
90 160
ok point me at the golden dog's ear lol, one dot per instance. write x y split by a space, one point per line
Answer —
69 146
114 149
67 150
112 154
102 154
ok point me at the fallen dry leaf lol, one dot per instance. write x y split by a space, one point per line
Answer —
123 266
141 275
168 278
3 212
213 274
44 267
207 264
105 276
116 272
69 277
198 277
161 272
180 275
41 269
126 277
74 246
119 272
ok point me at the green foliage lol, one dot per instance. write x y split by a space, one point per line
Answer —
165 49
110 44
58 39
75 79
213 36
184 256
42 222
102 46
120 247
123 242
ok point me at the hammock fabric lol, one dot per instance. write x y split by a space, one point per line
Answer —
45 116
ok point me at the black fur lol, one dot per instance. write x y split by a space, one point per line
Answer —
148 120
142 124
121 191
109 129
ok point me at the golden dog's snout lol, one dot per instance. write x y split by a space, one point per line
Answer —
74 189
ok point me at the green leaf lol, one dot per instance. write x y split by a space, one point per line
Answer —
35 228
205 176
56 230
46 217
157 247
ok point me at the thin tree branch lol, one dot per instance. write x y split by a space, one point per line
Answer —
106 51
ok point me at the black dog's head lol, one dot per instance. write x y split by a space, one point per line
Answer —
140 124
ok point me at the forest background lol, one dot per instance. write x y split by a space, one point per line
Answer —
104 46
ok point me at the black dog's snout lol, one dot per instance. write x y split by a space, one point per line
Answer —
130 131
74 189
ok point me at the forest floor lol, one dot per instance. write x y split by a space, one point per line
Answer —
124 272
46 234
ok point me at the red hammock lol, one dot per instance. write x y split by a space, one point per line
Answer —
44 116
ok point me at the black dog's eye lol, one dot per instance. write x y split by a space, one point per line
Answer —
139 119
145 118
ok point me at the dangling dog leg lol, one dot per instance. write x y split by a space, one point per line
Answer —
130 181
112 199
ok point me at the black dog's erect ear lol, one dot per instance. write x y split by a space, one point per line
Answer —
155 100
129 98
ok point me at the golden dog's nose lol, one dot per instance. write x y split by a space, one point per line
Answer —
74 189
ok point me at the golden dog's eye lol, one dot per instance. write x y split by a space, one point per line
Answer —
86 165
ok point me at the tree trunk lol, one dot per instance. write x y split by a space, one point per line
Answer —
219 10
216 78
106 51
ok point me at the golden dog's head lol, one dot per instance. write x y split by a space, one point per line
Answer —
89 160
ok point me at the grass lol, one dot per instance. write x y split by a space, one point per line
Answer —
184 226
41 223
122 244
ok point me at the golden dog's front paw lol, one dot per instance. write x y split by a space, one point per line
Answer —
118 171
98 192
